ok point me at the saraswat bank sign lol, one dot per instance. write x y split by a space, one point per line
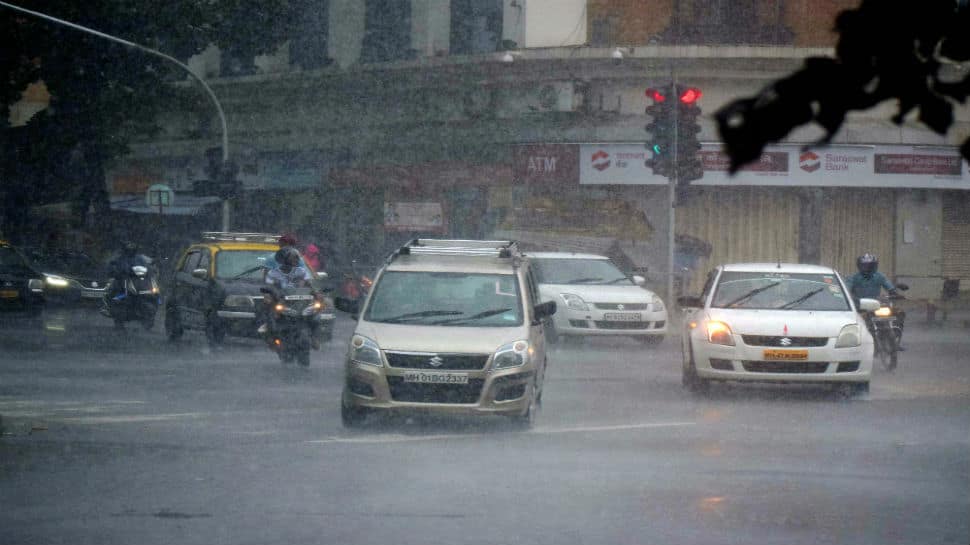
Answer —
832 166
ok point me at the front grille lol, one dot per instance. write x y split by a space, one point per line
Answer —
451 362
770 340
785 366
847 367
622 325
412 392
626 306
578 323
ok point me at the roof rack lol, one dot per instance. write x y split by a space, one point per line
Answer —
240 237
477 248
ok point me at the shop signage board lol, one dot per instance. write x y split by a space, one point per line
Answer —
414 216
833 166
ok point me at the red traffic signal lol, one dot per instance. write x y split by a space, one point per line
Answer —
690 95
655 95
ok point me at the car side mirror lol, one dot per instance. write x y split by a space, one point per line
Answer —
639 280
869 305
690 301
544 310
201 274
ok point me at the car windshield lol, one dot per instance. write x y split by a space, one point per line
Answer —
579 271
248 264
779 291
446 299
65 263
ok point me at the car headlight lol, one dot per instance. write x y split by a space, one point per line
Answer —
657 303
884 312
511 355
364 350
849 337
719 333
55 281
574 302
238 301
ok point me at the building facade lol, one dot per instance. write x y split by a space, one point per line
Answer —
386 119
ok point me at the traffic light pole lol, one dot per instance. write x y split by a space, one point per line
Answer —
672 197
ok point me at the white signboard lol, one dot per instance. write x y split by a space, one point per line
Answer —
834 166
413 216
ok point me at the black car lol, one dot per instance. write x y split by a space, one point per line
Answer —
86 278
22 288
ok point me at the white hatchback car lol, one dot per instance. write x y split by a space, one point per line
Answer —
776 322
594 298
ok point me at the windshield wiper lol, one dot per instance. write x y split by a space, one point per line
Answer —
801 299
422 314
244 273
584 280
615 280
479 316
751 294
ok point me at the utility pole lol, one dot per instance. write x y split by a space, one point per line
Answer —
672 197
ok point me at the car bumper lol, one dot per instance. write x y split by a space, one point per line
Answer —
595 322
504 392
749 363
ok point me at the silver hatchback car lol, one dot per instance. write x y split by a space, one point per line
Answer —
450 326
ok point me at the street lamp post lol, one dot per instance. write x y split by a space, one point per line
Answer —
208 90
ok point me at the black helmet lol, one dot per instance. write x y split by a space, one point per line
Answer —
287 258
867 263
129 248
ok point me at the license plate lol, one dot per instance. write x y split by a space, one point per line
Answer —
145 292
9 294
785 355
92 294
436 378
621 316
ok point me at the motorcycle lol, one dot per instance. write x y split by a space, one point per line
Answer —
134 297
886 328
295 315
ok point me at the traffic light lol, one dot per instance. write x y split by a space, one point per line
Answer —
689 165
661 129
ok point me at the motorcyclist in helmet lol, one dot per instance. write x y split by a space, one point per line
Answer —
289 273
119 268
868 283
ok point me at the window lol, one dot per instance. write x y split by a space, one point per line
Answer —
476 26
387 31
191 262
779 291
247 264
204 260
580 271
446 299
728 22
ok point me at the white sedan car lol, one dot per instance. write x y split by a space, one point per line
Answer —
594 298
777 323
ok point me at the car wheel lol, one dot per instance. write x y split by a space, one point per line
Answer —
214 331
688 378
173 324
352 417
528 419
552 336
303 357
650 340
859 388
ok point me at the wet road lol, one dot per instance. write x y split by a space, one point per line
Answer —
141 441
